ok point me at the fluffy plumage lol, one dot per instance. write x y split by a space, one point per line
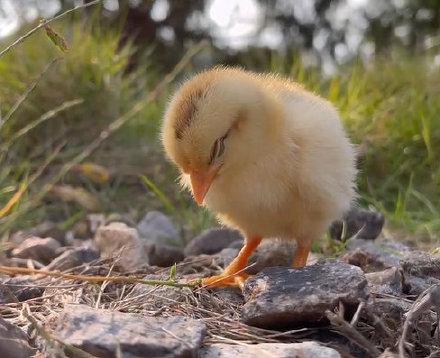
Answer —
265 155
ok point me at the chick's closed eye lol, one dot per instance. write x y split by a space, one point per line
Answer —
218 148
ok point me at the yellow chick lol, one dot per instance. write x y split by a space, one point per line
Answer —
266 156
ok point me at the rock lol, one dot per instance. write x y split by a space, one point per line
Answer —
118 240
157 228
388 281
363 224
373 256
272 253
95 221
279 350
390 310
286 297
13 341
102 332
36 248
117 217
23 288
7 295
163 255
237 244
73 258
225 257
212 241
81 230
414 285
421 264
45 229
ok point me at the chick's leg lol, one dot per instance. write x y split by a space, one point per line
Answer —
232 275
301 254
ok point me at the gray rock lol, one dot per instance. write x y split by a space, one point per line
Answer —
81 230
13 341
118 240
272 253
388 281
237 244
225 257
95 221
103 332
279 350
414 285
44 229
282 297
117 217
157 228
373 256
421 264
73 258
22 288
7 295
36 248
212 241
363 224
163 255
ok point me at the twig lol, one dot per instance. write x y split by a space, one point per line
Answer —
27 92
428 298
92 279
106 133
43 23
351 333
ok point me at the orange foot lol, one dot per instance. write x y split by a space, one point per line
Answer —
234 274
225 280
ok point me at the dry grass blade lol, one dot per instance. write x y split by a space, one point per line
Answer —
14 200
17 196
28 91
43 23
427 299
45 117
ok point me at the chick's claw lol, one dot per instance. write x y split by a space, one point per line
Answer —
225 280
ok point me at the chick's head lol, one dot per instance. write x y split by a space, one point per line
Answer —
213 126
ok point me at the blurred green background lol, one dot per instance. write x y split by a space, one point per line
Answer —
377 61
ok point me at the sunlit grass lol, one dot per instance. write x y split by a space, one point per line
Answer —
390 107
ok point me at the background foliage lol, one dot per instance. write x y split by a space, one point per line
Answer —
388 99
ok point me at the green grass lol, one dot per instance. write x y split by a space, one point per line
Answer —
391 109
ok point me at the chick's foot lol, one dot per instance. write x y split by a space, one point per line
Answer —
225 280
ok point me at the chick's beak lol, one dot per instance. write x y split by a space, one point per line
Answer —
201 182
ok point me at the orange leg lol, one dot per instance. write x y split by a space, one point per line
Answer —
301 255
232 275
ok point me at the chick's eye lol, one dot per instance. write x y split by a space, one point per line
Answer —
218 149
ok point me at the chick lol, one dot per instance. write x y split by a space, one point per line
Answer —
266 156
